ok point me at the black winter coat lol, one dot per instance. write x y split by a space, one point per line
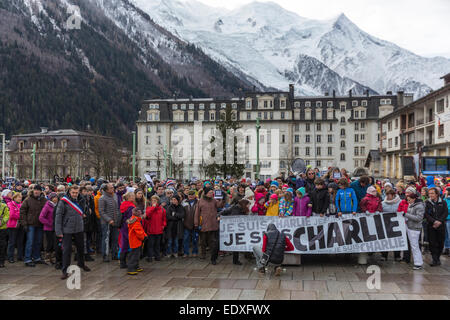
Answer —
436 211
320 200
175 221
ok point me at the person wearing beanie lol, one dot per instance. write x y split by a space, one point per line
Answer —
258 208
4 217
16 233
46 218
7 196
319 197
302 203
272 206
286 206
371 202
414 216
239 195
250 196
136 236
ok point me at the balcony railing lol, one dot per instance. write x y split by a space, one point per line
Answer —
420 121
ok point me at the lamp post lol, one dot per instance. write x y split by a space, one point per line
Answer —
258 126
33 155
3 155
134 155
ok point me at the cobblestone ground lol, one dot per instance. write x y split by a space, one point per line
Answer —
319 277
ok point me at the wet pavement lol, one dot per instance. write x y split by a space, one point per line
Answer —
319 277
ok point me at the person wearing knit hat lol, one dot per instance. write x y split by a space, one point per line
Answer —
206 183
371 190
272 206
290 190
410 190
46 218
6 194
274 183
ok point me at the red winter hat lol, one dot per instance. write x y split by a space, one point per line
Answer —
274 196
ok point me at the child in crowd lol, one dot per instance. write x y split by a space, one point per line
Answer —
346 201
302 205
272 206
286 204
332 190
259 208
46 218
154 223
15 232
371 202
136 236
320 198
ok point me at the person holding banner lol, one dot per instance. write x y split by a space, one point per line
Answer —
390 204
414 216
436 213
346 201
274 245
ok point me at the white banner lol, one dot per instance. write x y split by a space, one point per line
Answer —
375 232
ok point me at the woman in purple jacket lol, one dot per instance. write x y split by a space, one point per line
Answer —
302 205
46 218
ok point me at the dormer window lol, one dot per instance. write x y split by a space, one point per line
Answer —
212 106
223 105
364 103
354 103
308 104
297 104
234 105
201 106
64 144
318 104
191 106
183 106
329 103
174 106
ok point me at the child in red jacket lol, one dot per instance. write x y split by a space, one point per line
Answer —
371 202
155 222
136 236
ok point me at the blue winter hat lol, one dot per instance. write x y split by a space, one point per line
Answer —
92 180
274 183
290 190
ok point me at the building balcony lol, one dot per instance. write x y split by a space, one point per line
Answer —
420 122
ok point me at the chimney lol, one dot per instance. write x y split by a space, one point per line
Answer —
254 88
446 79
367 92
400 99
44 130
389 93
326 94
291 91
350 93
334 93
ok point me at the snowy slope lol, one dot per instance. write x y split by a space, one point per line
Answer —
266 42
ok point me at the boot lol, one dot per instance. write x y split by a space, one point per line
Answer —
362 258
48 257
53 258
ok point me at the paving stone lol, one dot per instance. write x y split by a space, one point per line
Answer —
245 284
277 294
177 294
291 285
434 297
315 285
268 284
355 296
227 294
303 295
223 283
404 296
339 286
324 276
202 294
381 296
153 293
322 295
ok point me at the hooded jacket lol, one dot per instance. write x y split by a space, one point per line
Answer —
360 192
391 205
272 209
126 208
155 220
46 216
301 208
371 204
109 209
275 244
206 214
430 182
14 214
136 233
286 207
4 216
257 208
175 215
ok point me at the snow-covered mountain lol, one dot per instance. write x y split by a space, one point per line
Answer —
277 47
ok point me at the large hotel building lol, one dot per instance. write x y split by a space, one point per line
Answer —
325 131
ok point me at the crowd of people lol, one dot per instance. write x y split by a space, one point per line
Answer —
128 221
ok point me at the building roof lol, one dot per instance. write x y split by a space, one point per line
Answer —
61 132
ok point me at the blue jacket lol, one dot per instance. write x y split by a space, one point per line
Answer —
430 182
346 200
359 190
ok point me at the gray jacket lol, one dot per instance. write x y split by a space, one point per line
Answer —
415 214
108 209
67 220
391 205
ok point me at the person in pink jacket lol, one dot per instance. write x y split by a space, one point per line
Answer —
46 218
15 231
302 203
258 208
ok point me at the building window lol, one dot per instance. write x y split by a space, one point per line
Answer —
342 119
212 106
363 114
318 151
319 127
191 106
159 139
318 163
249 115
271 115
390 143
234 105
362 125
296 151
318 104
265 104
147 129
364 103
329 103
296 138
342 156
396 124
307 138
283 104
362 151
265 115
307 104
158 129
212 116
390 126
201 106
342 108
64 144
354 103
356 138
150 117
308 127
330 138
283 138
356 151
223 105
148 163
440 106
296 127
330 151
342 132
307 151
441 131
343 144
396 141
356 126
297 104
319 138
356 114
307 162
247 139
363 137
146 140
261 139
249 104
259 115
331 127
282 115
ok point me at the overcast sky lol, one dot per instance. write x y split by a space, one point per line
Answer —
422 26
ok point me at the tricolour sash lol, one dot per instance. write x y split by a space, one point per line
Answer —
73 205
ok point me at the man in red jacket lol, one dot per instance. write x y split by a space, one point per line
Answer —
274 245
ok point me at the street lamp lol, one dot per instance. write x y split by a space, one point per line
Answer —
3 155
134 155
258 126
